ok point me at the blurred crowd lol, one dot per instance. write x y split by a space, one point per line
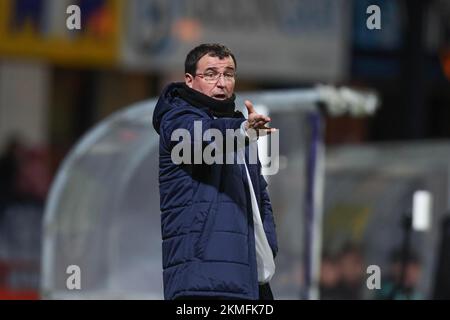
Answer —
24 183
344 276
24 173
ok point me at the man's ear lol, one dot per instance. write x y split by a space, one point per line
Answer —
188 79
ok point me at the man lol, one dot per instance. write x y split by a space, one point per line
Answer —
217 225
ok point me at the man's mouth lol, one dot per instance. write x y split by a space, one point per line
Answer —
219 96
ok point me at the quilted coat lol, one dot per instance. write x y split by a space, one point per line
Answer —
208 241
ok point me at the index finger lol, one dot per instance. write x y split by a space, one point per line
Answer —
249 106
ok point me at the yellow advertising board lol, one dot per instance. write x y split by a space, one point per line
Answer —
39 29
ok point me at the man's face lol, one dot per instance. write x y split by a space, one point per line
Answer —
219 89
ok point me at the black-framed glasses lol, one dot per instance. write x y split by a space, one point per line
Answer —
213 76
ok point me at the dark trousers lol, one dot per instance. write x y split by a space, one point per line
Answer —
265 293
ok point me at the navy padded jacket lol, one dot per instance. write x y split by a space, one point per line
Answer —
208 241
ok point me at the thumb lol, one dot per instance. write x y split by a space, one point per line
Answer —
249 106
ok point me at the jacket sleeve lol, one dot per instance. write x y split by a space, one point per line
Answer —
267 216
186 118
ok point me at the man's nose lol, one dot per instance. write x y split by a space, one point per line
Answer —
221 80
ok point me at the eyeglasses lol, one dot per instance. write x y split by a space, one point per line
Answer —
213 76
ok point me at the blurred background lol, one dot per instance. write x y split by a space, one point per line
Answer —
59 87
